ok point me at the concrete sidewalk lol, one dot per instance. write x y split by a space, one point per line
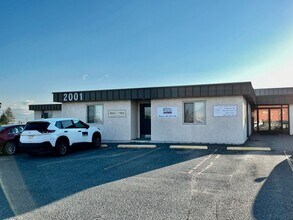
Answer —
281 142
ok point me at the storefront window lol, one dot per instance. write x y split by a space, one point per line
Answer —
195 112
95 114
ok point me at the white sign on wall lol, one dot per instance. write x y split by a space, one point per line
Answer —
117 114
167 112
225 110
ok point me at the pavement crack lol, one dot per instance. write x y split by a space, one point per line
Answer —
193 179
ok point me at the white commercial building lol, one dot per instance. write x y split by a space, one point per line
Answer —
216 113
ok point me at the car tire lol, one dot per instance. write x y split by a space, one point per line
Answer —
96 141
61 148
9 148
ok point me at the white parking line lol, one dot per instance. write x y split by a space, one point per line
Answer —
125 161
198 165
206 168
289 161
81 158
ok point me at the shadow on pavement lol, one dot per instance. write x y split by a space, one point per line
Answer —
28 183
275 199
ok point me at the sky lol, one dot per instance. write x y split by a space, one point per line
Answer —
63 45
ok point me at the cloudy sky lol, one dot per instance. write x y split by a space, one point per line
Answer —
60 45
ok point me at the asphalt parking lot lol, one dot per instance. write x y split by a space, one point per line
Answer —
158 183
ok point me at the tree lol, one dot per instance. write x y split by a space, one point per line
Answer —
3 119
9 115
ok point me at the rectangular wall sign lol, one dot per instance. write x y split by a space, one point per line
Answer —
225 110
167 112
117 114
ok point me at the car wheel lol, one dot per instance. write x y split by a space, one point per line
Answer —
96 142
61 148
9 148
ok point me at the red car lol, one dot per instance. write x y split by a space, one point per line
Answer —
9 138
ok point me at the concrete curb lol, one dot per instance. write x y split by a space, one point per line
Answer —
249 148
136 146
188 147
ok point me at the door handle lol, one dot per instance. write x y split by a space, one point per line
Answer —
65 131
79 131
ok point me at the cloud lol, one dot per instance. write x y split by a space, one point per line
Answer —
84 77
21 110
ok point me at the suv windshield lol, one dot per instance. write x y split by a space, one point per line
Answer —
38 126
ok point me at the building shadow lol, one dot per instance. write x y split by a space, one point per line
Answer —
28 183
275 199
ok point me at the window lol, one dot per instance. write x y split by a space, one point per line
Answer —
20 129
58 124
13 131
67 124
39 126
80 124
95 114
195 112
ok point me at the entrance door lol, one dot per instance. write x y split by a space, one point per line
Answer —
271 119
263 120
145 120
275 120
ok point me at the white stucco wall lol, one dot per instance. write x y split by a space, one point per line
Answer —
37 115
228 130
118 129
291 118
244 118
249 119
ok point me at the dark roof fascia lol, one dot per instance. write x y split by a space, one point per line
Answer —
274 91
274 99
187 91
46 107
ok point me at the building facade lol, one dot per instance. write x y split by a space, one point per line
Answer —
216 113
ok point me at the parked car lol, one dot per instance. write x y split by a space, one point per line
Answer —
9 138
57 135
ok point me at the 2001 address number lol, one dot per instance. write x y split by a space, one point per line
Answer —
70 97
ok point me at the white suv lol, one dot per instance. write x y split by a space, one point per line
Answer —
57 134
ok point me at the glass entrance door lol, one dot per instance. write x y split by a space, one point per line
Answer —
145 120
275 120
263 120
271 119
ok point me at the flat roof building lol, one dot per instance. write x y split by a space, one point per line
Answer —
212 113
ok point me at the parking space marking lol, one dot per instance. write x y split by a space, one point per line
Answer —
289 161
206 168
82 158
249 148
126 161
5 159
188 147
136 146
198 165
